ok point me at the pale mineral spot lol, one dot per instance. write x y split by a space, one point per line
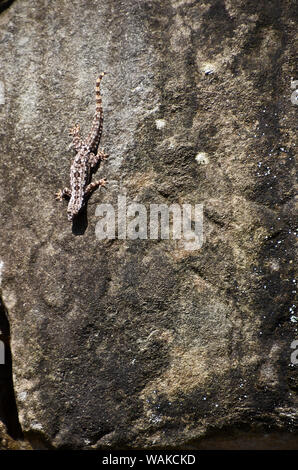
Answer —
9 298
22 396
160 123
2 94
36 426
202 158
23 40
1 270
208 68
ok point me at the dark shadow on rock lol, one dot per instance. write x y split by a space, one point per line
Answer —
80 222
4 4
8 407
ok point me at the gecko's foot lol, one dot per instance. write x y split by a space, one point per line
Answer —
102 155
75 130
58 195
102 182
63 194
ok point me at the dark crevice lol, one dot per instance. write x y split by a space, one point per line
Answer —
8 407
4 4
243 438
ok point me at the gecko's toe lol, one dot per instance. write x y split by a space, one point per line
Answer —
75 129
58 195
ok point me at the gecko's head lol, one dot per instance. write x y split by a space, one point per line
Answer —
75 205
72 213
70 216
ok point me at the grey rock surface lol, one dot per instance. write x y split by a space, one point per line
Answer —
142 343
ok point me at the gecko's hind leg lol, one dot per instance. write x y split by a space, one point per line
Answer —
77 141
63 194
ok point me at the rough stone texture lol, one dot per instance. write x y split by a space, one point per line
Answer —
140 343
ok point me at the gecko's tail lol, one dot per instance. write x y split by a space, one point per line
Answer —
98 95
95 133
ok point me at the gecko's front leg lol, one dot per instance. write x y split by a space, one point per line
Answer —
63 194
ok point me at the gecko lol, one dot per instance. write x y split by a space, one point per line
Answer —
85 162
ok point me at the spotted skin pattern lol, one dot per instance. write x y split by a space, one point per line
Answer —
85 162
